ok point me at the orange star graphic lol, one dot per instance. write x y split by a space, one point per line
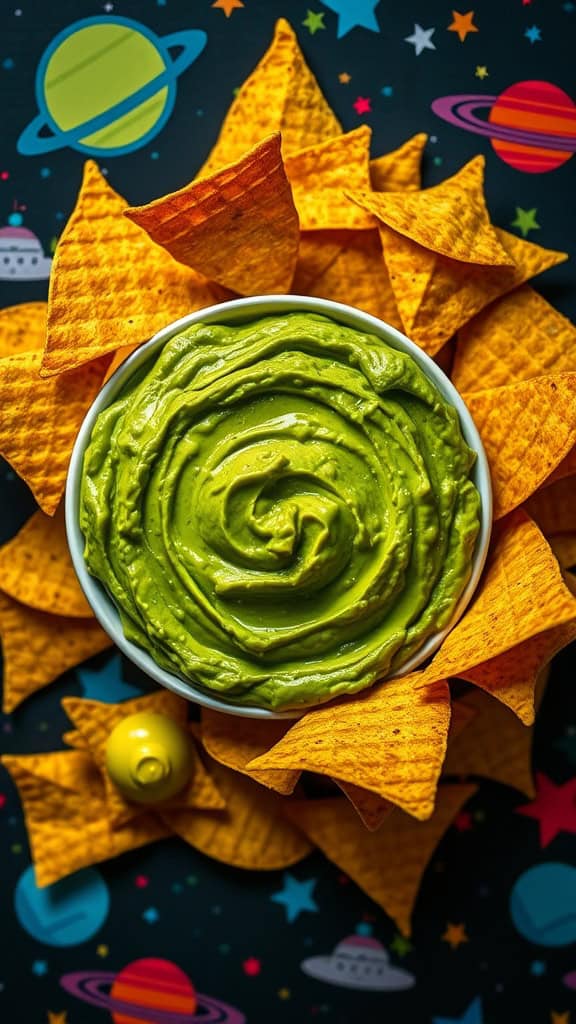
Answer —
462 24
559 1018
455 935
228 6
344 77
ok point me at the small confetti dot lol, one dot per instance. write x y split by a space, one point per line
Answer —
177 887
251 967
102 950
155 155
433 139
45 172
2 799
191 880
199 113
4 175
141 881
59 215
438 161
387 90
151 915
537 968
8 63
224 948
16 848
39 968
284 993
18 12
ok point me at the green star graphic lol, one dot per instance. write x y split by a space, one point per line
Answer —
525 220
314 21
400 945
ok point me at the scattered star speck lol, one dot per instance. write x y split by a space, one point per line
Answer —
344 78
314 21
362 105
151 915
421 39
462 24
525 221
455 935
481 71
533 34
251 966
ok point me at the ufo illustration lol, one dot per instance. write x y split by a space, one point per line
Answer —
21 255
531 125
107 86
361 962
149 991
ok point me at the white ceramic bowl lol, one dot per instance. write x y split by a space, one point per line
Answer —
233 312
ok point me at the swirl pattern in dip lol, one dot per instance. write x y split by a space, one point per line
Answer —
281 510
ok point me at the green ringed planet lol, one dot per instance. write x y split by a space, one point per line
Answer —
107 86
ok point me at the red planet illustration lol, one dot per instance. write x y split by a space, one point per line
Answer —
152 984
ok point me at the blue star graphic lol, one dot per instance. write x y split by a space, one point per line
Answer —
151 915
105 683
354 13
533 34
421 39
39 968
472 1015
295 896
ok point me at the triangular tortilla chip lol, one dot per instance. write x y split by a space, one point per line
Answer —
318 249
22 328
357 275
518 337
234 742
370 807
400 170
526 430
495 745
390 740
69 829
567 467
38 648
389 864
437 295
521 595
40 420
554 507
240 225
110 285
251 833
36 568
118 358
450 218
281 95
318 176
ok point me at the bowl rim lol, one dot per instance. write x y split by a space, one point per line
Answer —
230 312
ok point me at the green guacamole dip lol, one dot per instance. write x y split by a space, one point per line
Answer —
282 511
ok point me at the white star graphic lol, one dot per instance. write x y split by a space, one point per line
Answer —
420 39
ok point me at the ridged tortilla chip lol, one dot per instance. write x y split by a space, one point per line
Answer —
36 568
37 648
400 170
319 175
388 864
521 595
40 420
251 833
450 218
554 507
494 745
370 807
234 742
317 250
22 328
66 816
357 275
437 295
110 285
240 225
390 740
515 338
281 95
526 429
567 467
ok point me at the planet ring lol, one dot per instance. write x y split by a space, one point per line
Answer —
89 988
192 42
460 111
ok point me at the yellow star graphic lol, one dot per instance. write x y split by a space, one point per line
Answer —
227 6
284 993
455 935
102 950
462 24
58 1018
559 1018
344 77
481 71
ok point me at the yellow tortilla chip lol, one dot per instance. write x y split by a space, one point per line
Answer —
110 285
437 295
389 864
567 467
38 647
554 507
22 328
450 218
40 420
36 568
281 95
526 429
251 833
318 249
358 276
318 176
66 817
370 807
234 742
390 740
240 225
518 337
495 745
400 170
118 358
564 547
521 595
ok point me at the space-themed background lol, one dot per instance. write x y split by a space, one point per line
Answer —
494 938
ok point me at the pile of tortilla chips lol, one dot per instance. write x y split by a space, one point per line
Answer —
288 202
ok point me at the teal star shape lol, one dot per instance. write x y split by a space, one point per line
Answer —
533 34
472 1015
525 221
354 14
314 21
105 682
295 896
